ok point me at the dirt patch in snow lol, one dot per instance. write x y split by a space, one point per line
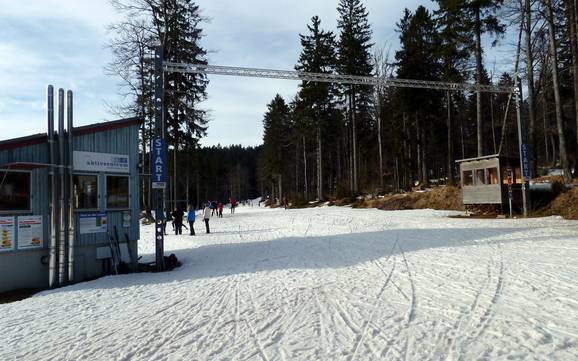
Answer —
439 198
565 205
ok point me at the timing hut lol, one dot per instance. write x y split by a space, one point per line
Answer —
485 180
43 246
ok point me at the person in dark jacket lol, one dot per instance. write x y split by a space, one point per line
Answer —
178 220
191 218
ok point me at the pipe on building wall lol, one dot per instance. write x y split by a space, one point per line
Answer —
53 253
71 243
62 259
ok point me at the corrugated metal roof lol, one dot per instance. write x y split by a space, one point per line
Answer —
86 129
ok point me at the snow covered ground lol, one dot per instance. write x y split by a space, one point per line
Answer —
323 284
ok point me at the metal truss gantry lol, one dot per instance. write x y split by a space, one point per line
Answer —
330 78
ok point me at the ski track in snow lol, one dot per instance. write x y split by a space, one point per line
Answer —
323 284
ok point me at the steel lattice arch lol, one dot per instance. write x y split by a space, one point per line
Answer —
330 78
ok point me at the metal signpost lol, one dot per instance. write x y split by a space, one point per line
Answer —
523 149
159 168
510 193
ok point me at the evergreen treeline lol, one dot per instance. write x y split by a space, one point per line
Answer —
215 173
341 140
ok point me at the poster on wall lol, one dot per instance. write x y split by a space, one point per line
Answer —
92 223
30 232
6 234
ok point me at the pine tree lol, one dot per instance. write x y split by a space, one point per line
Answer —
354 58
317 56
175 24
477 18
418 58
276 130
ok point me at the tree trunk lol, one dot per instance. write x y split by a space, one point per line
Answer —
556 88
306 189
478 35
571 15
493 123
319 166
280 183
546 146
450 158
353 140
531 88
379 144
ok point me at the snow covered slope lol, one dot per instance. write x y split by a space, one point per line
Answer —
323 284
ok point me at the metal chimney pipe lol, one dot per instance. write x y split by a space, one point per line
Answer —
71 243
62 259
53 253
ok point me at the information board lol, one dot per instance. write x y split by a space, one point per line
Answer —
6 234
30 232
92 223
100 162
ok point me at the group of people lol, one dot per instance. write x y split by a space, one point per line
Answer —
210 208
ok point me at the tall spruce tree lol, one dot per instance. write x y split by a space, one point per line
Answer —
454 55
477 18
276 131
418 58
317 56
175 24
354 58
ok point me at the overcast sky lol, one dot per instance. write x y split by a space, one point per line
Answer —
62 42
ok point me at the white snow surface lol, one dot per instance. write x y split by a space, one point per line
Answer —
323 284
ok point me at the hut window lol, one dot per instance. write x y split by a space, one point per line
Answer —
85 191
492 176
468 177
480 177
14 191
117 192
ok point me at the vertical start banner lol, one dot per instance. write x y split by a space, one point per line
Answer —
159 164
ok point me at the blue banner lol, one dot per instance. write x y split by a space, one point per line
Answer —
526 162
159 163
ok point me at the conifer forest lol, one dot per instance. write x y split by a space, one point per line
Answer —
335 141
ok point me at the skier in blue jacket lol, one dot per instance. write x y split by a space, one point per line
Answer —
191 219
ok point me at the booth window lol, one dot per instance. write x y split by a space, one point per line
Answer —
85 191
14 191
468 177
480 177
117 192
492 176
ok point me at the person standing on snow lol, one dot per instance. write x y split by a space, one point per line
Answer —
168 218
233 204
178 220
191 218
207 216
220 209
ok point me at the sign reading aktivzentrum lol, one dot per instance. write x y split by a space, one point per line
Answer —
101 162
